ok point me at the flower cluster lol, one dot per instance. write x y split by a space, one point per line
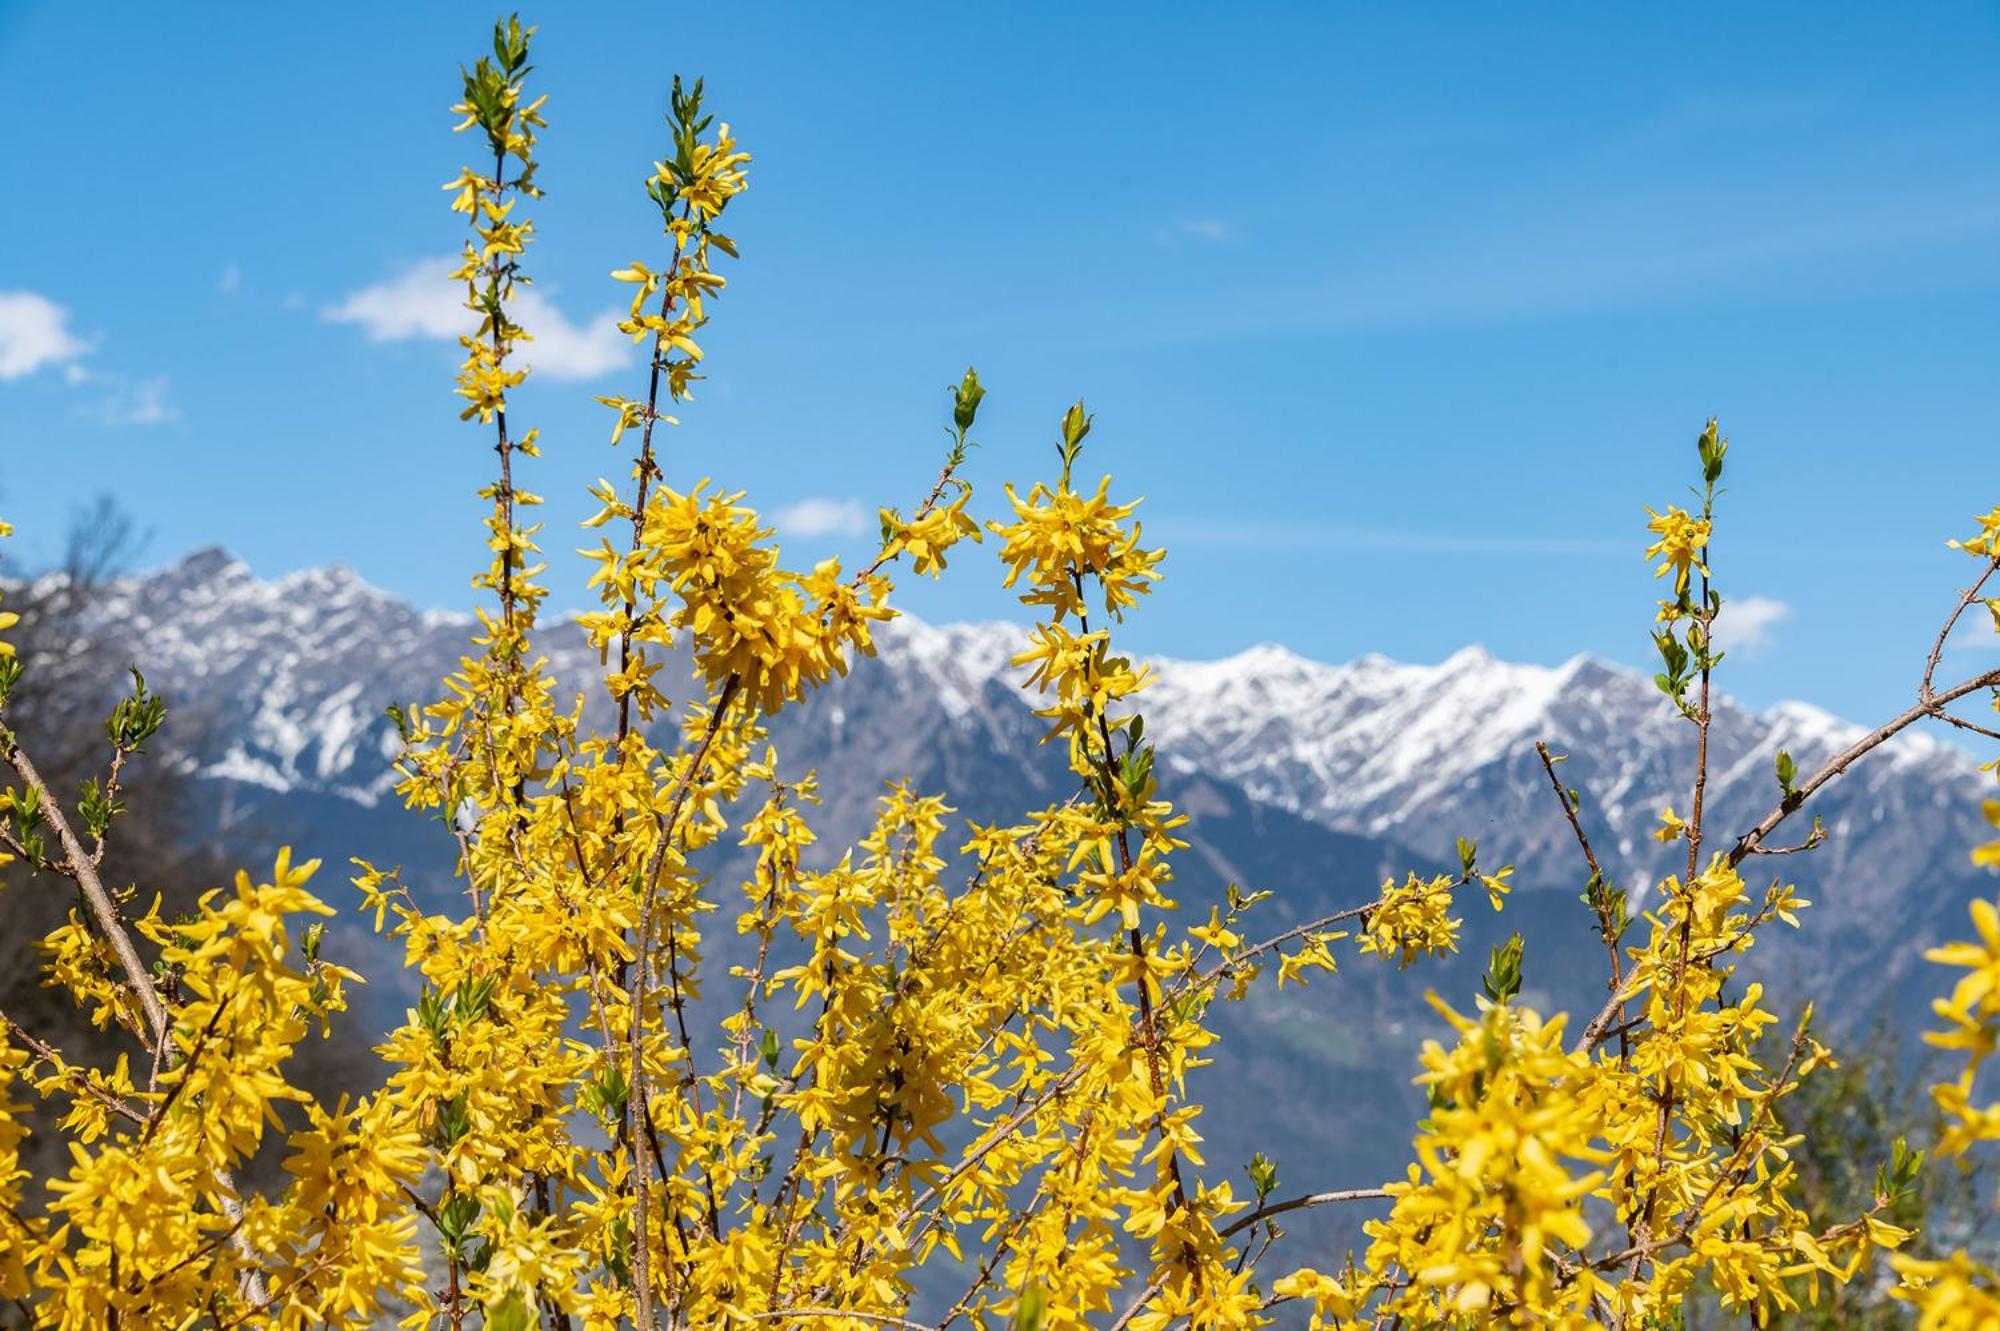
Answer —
8 619
1956 1289
674 1063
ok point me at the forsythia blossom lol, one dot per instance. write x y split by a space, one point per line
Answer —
673 1063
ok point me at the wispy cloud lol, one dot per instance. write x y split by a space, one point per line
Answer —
35 335
1639 220
1261 535
822 516
423 302
1196 231
1978 630
231 280
1748 624
134 402
1614 255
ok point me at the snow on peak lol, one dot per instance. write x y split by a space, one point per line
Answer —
1472 656
1802 720
956 660
297 672
1271 656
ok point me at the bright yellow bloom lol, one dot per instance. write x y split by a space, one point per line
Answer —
1986 542
1682 541
963 1050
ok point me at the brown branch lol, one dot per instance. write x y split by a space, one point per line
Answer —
640 1111
1144 1297
84 870
1601 905
884 1319
79 1079
1301 1204
139 980
1926 693
1569 810
1853 753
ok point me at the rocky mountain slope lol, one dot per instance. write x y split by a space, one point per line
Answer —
290 679
1312 780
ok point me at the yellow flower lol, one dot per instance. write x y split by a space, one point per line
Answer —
8 619
1986 542
1682 541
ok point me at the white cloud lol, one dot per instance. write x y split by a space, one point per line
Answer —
34 334
424 302
822 517
231 280
140 402
1747 623
1978 630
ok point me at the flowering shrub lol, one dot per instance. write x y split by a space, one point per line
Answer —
966 1061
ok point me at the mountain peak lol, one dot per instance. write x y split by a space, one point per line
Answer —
202 574
1271 656
208 563
1472 656
1374 746
1589 671
325 580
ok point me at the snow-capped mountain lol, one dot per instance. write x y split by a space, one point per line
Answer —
1375 746
293 678
1315 781
287 681
297 672
1412 752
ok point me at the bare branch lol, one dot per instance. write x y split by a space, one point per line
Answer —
1301 1204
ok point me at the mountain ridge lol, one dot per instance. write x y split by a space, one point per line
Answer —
1316 781
287 680
176 611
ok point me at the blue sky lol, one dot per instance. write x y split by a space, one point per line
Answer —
1397 315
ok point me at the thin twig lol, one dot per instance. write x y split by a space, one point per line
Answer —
1301 1204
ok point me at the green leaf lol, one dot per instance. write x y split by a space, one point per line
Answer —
510 1314
1030 1309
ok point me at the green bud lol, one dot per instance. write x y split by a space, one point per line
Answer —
1075 425
1788 773
965 400
96 808
1503 972
1713 448
138 718
1263 1172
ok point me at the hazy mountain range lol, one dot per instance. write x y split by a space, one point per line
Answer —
1312 780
